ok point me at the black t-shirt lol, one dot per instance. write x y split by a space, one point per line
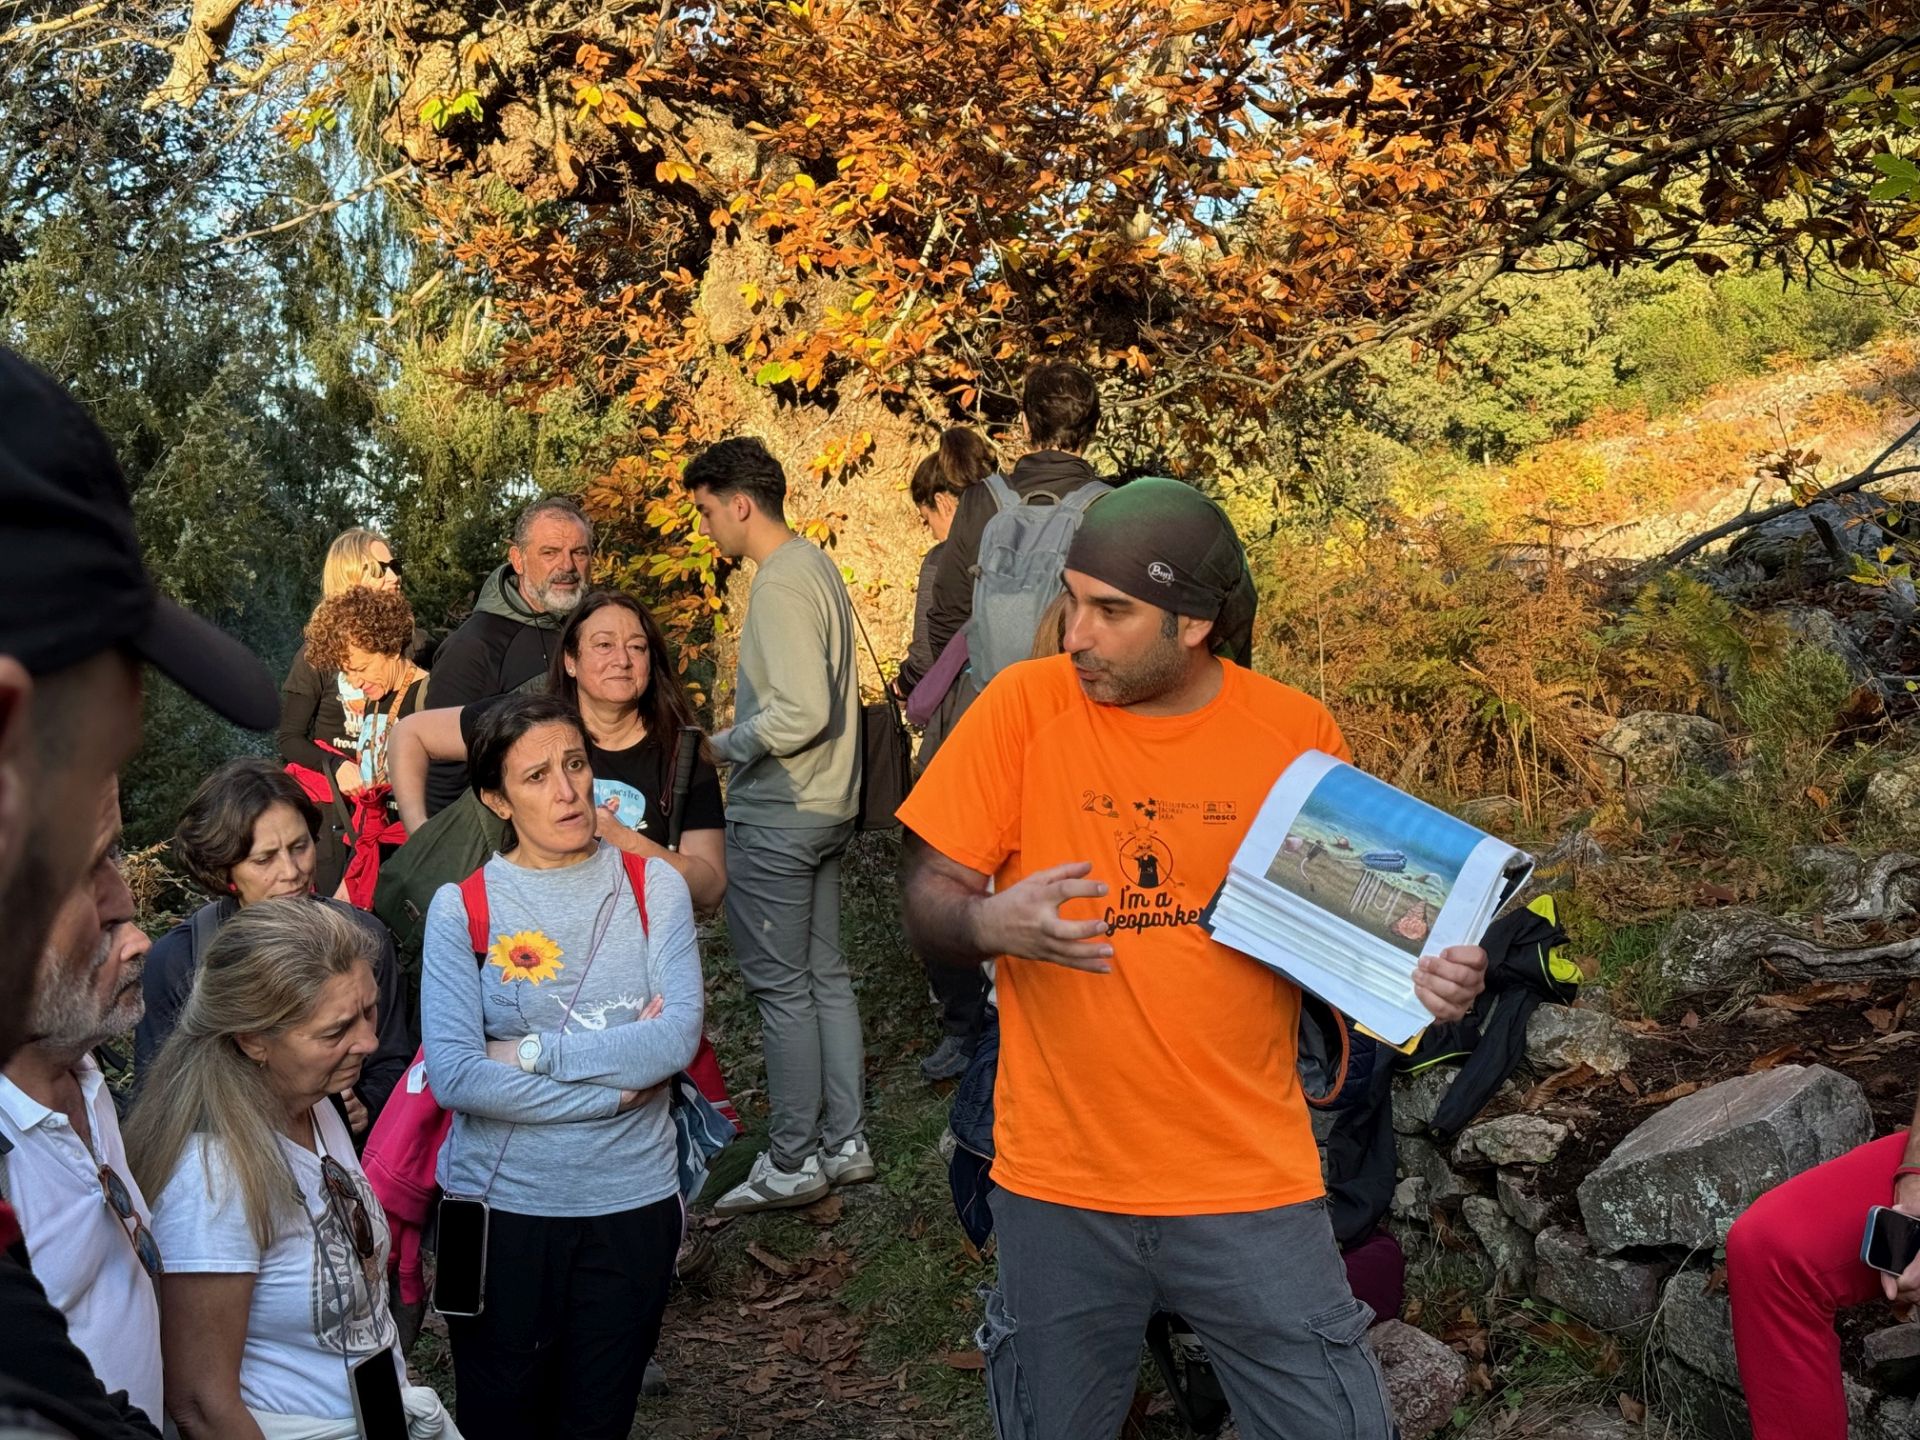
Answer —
640 778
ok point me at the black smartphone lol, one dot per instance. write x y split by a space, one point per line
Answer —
1892 1241
460 1259
377 1406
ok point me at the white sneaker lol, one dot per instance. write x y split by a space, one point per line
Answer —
768 1187
850 1164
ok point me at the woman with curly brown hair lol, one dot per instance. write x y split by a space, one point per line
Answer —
321 710
366 635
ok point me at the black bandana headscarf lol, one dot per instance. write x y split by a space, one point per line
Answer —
1164 542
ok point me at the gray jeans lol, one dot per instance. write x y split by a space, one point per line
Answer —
783 915
1264 1291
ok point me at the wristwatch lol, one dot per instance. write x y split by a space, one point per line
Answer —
529 1053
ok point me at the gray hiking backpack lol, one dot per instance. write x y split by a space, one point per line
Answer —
1023 551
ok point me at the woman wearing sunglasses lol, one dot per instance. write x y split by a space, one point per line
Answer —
320 707
274 1292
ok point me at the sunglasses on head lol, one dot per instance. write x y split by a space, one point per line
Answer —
120 1201
342 1191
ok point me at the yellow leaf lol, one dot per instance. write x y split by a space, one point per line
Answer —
813 119
589 96
750 293
668 171
862 301
879 192
803 181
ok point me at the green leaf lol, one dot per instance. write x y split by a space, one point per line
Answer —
434 112
773 373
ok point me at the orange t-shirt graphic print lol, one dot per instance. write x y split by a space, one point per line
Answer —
1169 1086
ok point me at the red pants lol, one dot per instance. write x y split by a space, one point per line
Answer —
1793 1260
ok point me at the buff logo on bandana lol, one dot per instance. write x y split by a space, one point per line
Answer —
1148 898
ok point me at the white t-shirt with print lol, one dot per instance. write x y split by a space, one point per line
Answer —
316 1304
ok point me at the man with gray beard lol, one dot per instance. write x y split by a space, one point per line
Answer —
508 642
62 1165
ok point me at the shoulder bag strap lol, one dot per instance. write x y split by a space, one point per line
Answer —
473 893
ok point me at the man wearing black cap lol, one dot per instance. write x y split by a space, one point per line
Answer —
1151 1142
78 615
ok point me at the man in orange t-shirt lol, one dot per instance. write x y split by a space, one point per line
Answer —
1152 1146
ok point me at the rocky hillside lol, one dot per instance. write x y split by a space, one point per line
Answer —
1744 900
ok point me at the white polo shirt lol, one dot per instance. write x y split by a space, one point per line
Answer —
81 1253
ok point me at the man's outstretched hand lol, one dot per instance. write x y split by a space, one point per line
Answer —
1024 920
1448 982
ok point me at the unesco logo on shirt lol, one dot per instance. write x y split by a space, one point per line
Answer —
1217 812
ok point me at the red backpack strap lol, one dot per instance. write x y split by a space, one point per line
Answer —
473 893
637 877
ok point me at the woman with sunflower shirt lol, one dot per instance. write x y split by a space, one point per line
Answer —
552 1049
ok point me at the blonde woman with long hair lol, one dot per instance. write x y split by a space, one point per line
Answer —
275 1288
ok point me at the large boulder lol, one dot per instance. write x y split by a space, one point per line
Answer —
1511 1140
1608 1291
1425 1379
1699 1375
1562 1035
1684 1175
1723 949
1657 747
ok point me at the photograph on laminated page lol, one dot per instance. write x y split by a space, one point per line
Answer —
1343 882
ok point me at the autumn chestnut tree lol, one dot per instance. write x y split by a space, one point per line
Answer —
844 223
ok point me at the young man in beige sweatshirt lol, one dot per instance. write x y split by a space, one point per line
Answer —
792 794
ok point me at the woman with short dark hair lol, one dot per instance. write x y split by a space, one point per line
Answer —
553 1022
248 834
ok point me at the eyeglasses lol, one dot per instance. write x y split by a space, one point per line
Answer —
114 1190
341 1189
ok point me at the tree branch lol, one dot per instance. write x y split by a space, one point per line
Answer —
315 211
1787 507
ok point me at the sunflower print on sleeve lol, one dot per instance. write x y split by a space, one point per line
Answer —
526 955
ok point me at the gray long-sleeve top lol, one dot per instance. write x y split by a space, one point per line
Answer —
560 1146
795 740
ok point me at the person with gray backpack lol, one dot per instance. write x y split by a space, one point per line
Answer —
1008 545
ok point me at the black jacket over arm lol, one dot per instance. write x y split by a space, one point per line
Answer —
45 1374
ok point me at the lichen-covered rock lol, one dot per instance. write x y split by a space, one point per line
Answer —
1684 1175
1508 1247
1657 747
1423 1158
1607 1291
1526 1209
1417 1096
1511 1140
1425 1378
1410 1199
1892 802
1562 1035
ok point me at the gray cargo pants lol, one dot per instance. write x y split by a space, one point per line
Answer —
783 917
1265 1292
